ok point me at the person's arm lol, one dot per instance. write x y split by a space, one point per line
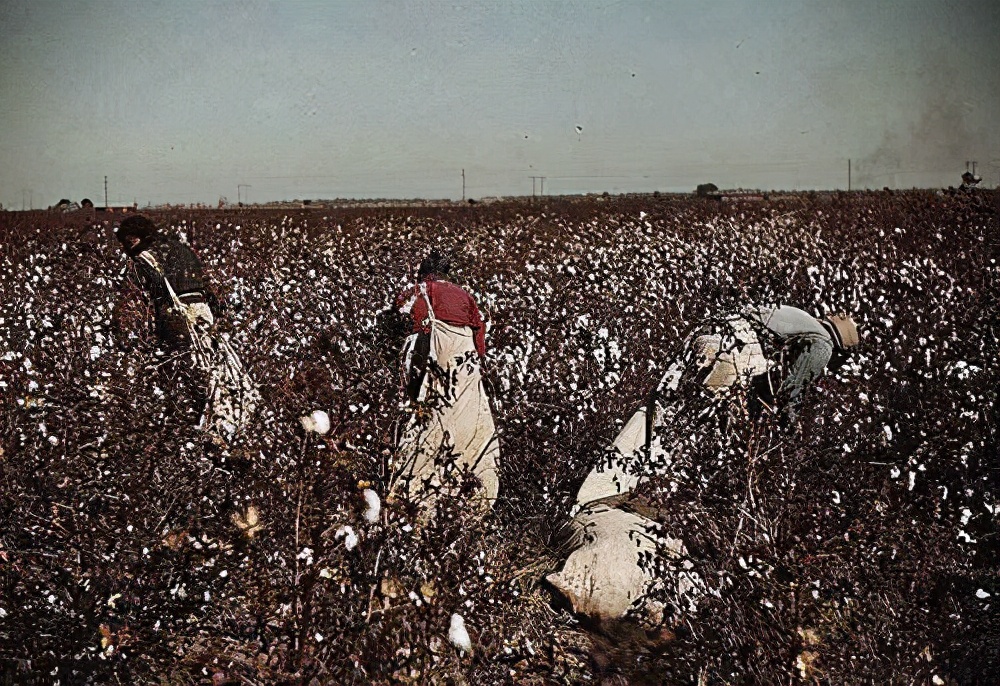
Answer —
403 296
417 308
215 303
478 326
133 314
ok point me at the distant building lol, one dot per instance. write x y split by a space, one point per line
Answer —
742 195
118 209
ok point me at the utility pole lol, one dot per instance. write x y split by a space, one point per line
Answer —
463 185
105 191
239 188
537 178
848 173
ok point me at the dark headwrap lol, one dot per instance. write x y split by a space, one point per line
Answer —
435 263
137 226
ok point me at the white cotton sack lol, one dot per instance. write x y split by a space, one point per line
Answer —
318 421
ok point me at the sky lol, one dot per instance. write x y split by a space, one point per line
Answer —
187 102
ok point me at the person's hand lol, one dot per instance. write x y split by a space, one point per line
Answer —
486 374
788 420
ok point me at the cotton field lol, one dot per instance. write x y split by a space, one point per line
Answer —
861 549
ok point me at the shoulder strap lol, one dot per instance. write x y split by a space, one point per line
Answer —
149 259
427 298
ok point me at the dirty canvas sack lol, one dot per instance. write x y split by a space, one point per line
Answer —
451 427
609 573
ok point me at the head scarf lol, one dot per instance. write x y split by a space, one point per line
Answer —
435 263
136 226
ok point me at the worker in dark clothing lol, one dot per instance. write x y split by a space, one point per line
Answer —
172 276
168 269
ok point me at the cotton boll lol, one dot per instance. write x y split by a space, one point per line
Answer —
318 421
458 635
350 538
374 505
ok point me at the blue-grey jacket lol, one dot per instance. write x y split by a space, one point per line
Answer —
803 335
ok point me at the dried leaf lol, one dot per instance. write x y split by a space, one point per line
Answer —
106 636
175 540
249 523
391 588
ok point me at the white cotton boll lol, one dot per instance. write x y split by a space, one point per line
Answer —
458 635
981 594
374 505
350 538
318 421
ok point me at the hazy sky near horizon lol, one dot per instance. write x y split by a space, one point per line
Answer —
184 101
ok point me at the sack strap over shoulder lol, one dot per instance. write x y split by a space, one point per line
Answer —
427 298
149 259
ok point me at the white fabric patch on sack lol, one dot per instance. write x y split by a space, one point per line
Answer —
733 356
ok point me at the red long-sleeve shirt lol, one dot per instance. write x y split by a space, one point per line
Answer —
452 304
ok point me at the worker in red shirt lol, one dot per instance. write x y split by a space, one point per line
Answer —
449 303
442 362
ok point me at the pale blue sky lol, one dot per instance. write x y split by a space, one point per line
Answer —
183 101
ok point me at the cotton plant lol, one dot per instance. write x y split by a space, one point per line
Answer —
302 289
